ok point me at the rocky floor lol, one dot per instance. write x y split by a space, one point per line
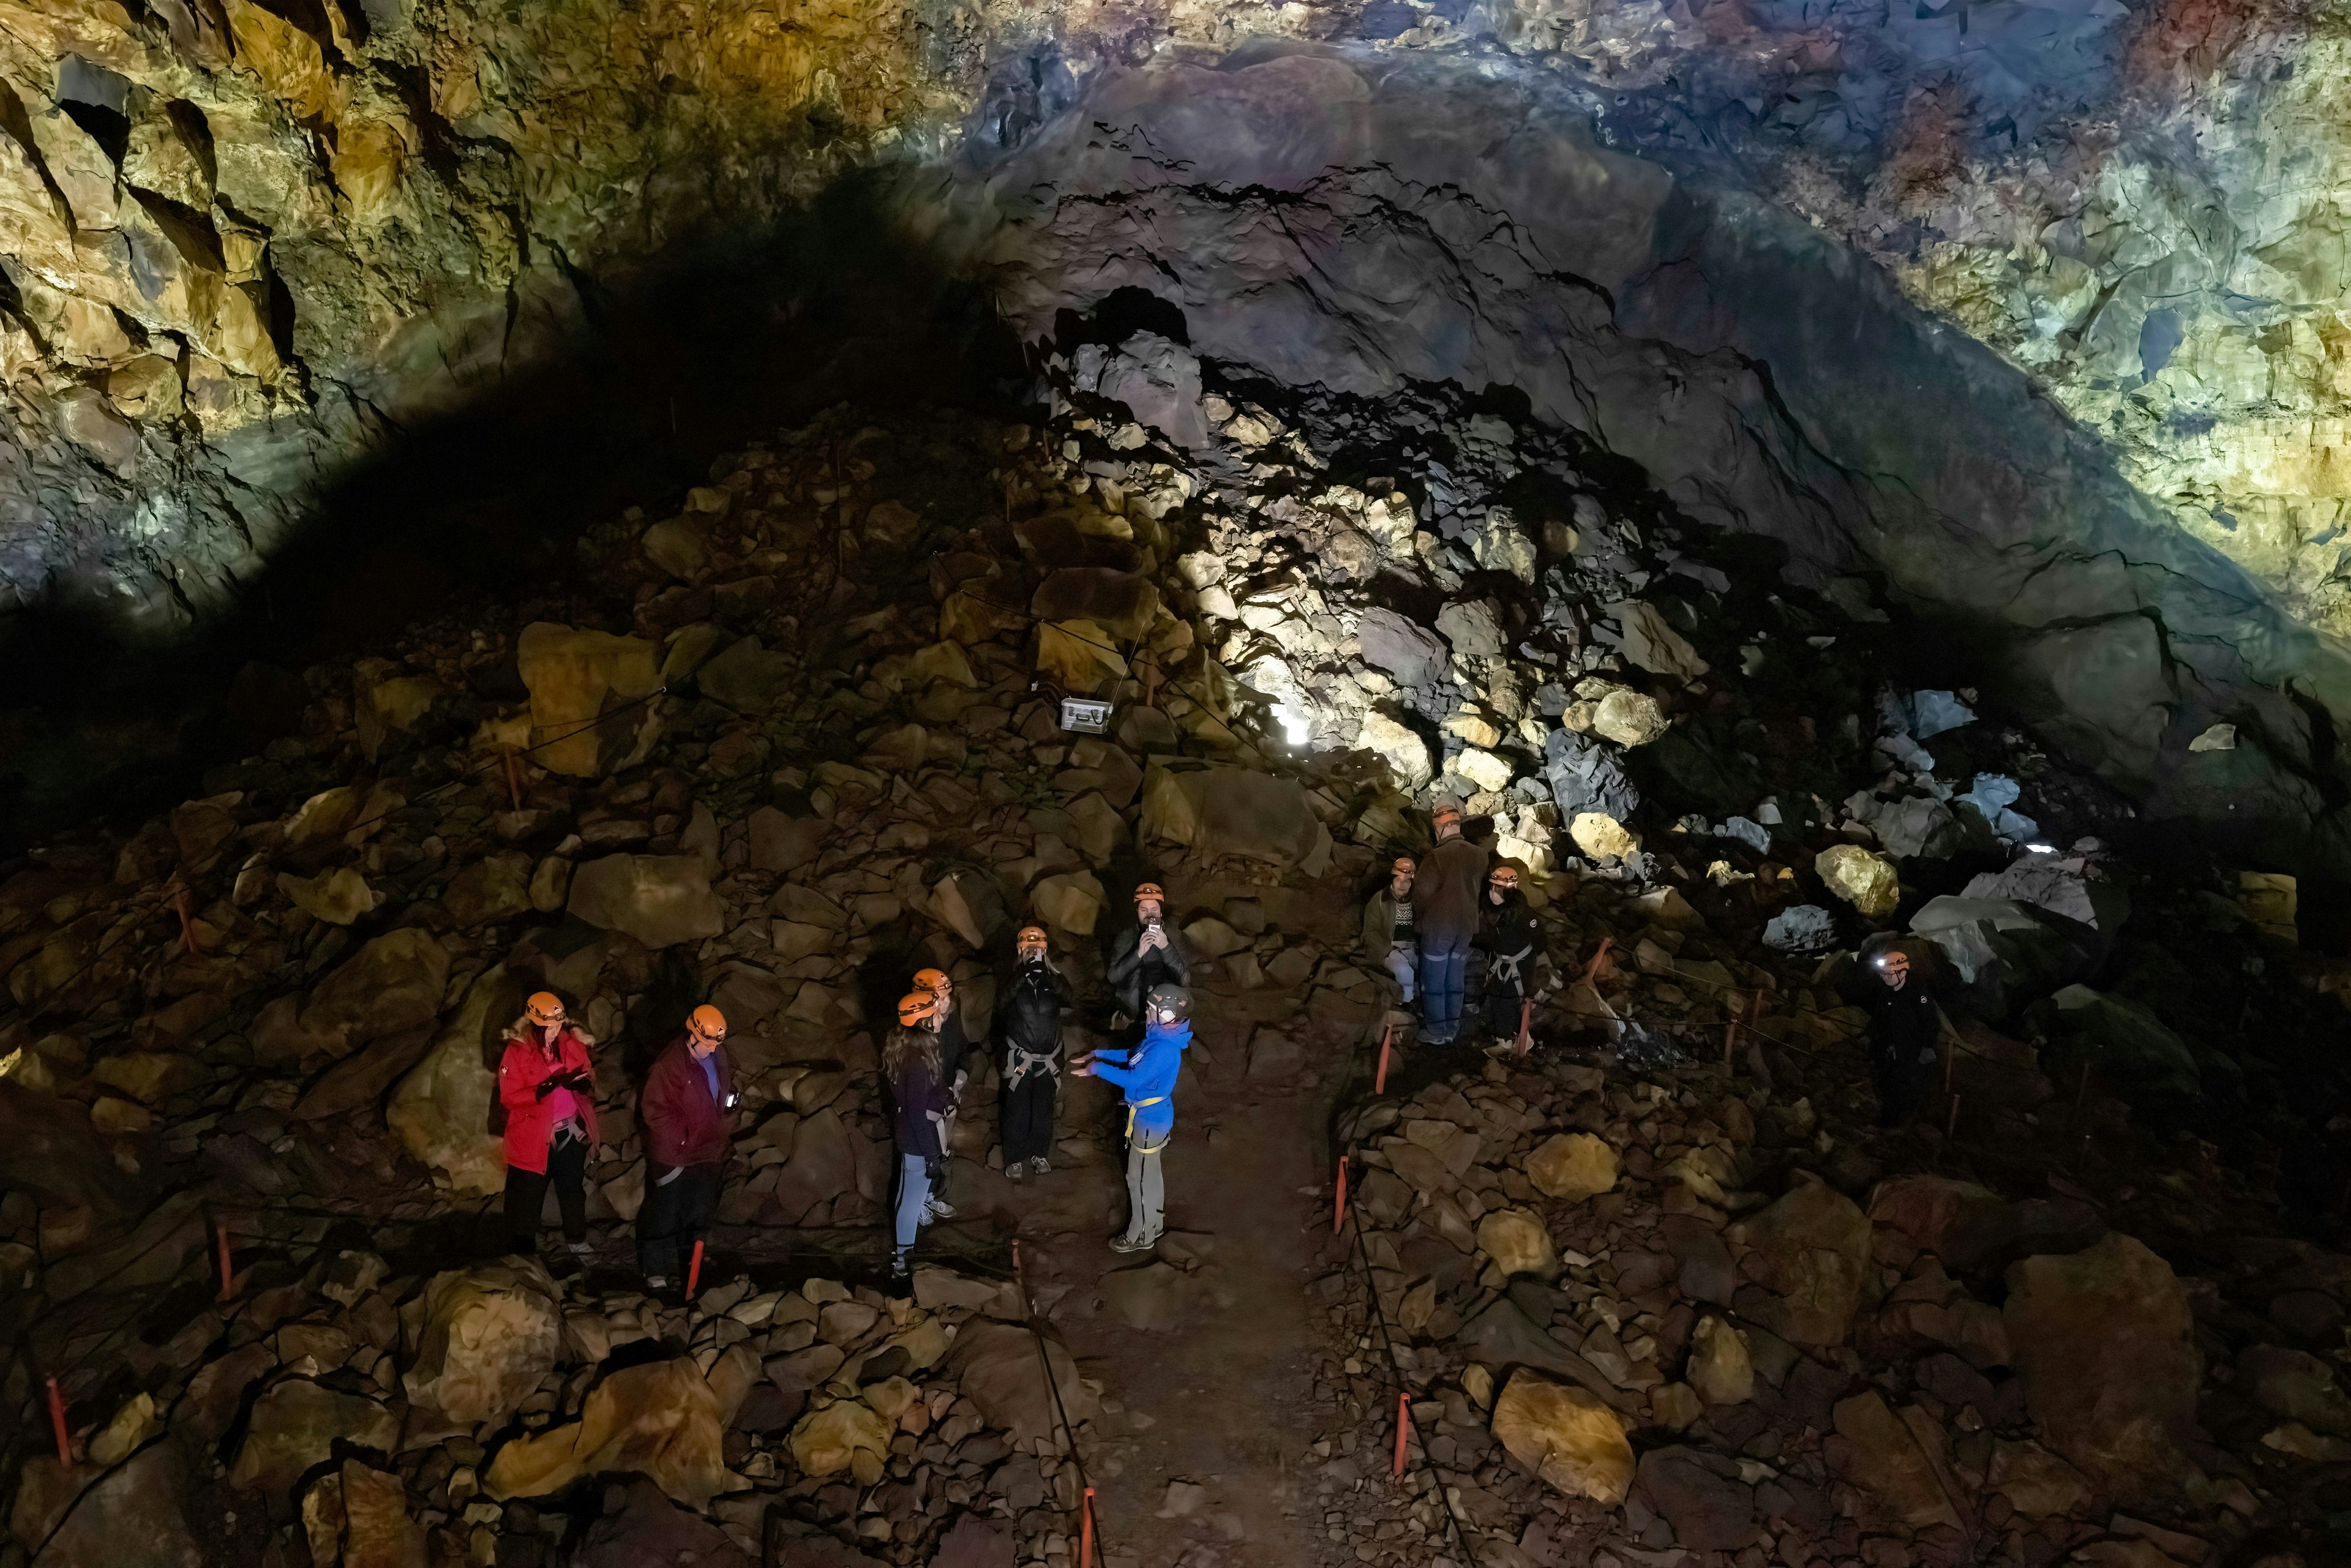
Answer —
1655 1293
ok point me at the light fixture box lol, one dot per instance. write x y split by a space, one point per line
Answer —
1084 715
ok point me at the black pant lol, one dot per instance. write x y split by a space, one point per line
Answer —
1026 1111
674 1216
567 1164
1502 1003
1901 1084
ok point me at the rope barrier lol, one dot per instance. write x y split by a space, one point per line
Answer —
1086 1525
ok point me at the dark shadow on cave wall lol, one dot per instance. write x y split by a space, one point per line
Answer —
720 349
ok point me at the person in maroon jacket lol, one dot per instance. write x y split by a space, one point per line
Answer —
549 1091
685 1111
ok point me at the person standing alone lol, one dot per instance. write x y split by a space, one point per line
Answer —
687 1097
548 1090
1031 1072
1445 912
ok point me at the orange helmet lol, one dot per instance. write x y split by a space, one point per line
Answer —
1151 890
931 981
917 1007
1445 812
1405 866
708 1022
1031 937
1505 876
543 1008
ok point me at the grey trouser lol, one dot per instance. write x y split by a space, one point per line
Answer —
1147 1186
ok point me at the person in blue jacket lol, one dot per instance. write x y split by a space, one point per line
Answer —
1146 1075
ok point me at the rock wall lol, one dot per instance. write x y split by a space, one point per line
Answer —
1415 228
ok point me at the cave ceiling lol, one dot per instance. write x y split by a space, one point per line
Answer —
246 245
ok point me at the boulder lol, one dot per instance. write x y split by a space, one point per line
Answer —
1402 748
1404 650
659 1418
1236 811
2128 1043
1701 1261
492 889
133 1516
1566 1436
1720 1367
360 1517
393 984
1517 1242
442 1109
1573 1166
970 905
1812 1250
483 1338
296 1424
1122 603
575 678
783 844
2293 1386
1073 902
2062 885
338 896
2104 1340
660 900
1649 643
996 1365
846 1434
1701 1495
1865 881
746 677
1881 1455
1964 1225
1602 836
648 1529
1474 628
1586 776
1629 718
1080 654
1159 380
2036 1482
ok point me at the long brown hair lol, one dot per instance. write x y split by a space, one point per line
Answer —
906 1038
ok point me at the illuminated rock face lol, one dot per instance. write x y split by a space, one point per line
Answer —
249 244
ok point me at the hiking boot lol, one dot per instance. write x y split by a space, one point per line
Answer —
1122 1243
1039 1165
938 1208
1016 1170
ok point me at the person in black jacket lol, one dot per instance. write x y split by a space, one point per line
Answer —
1898 992
918 1118
1512 939
954 1071
1029 1021
1147 953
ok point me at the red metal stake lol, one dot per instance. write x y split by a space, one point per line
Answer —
57 1424
1526 1024
513 783
694 1271
1339 1211
1086 1531
1953 1125
1599 965
1404 1425
229 1276
1379 1080
195 949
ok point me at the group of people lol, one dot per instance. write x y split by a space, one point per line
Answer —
546 1094
1424 927
1434 916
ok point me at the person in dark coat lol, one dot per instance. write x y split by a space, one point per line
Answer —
684 1109
1898 992
1388 939
1147 954
548 1090
1444 911
954 1071
1512 939
1029 1022
918 1120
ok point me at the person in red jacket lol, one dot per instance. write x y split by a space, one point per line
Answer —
548 1091
685 1111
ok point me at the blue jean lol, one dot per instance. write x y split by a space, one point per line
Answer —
1443 966
913 1192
